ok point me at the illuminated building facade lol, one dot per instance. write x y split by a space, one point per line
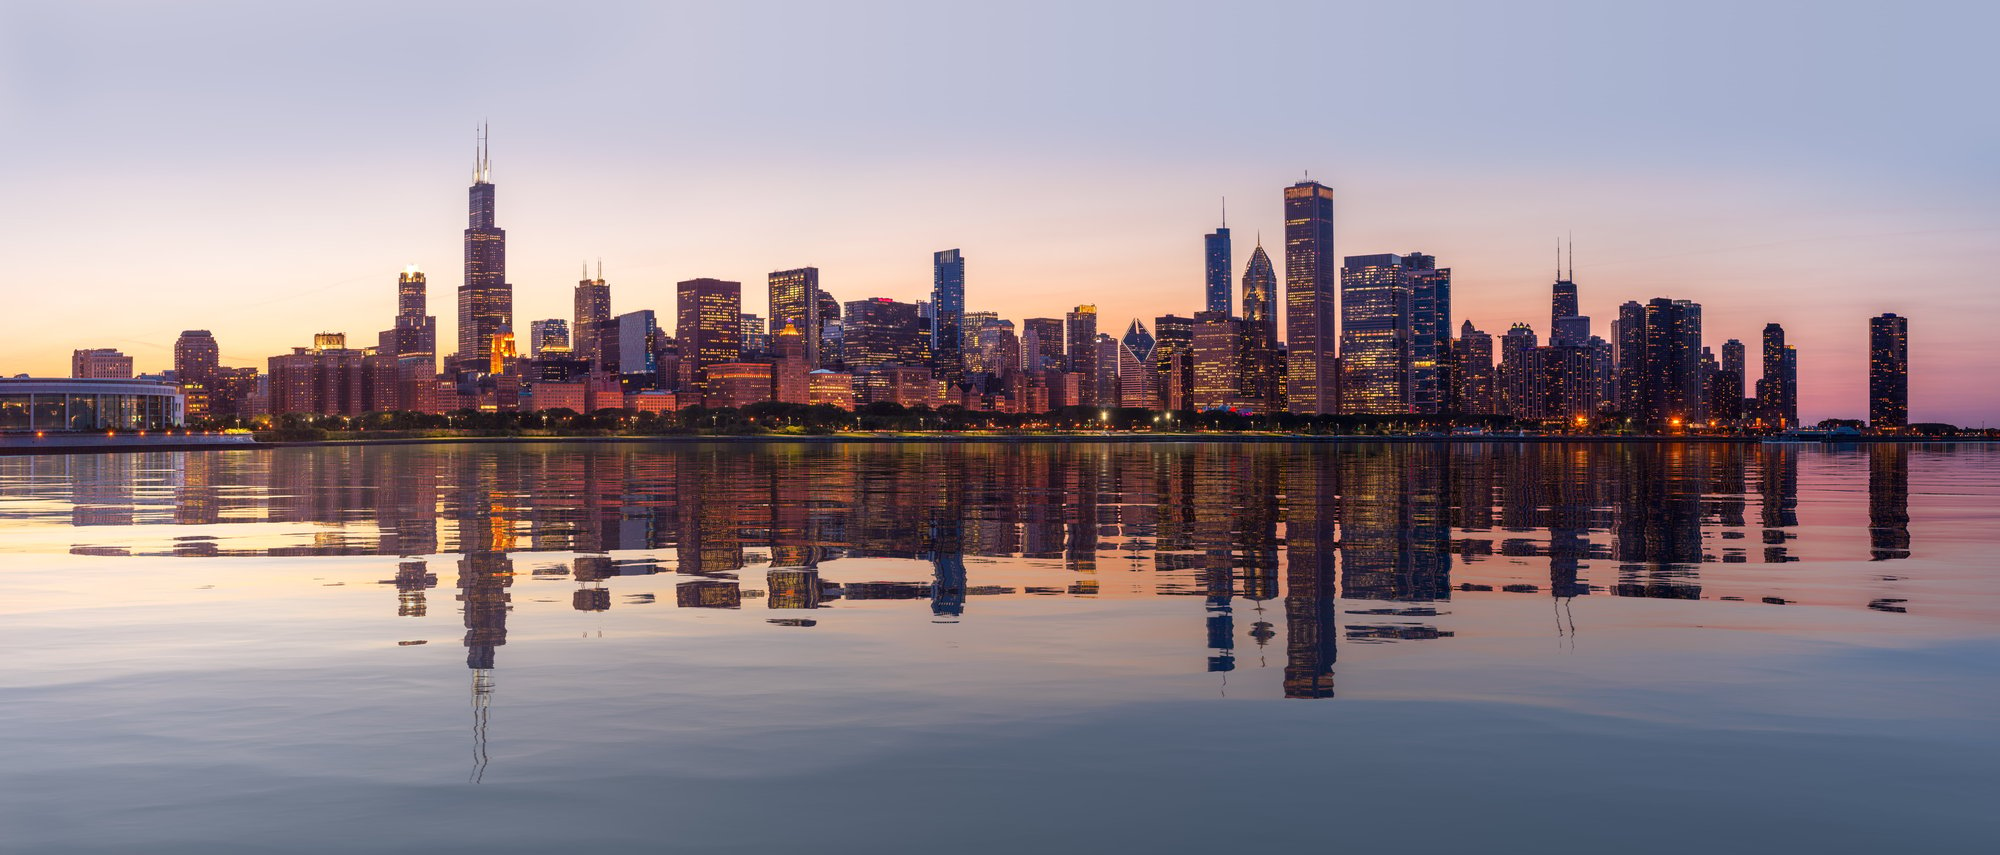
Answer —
592 307
100 363
1472 379
879 332
709 324
1042 344
1080 334
948 314
737 384
54 405
551 335
1312 383
485 300
1173 360
795 299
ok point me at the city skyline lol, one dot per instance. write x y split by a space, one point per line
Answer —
1750 230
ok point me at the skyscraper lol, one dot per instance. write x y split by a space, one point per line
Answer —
795 300
1218 362
756 342
551 334
948 314
197 358
1778 391
1430 332
709 323
1375 333
411 346
1261 369
1260 286
485 300
1311 381
1081 327
1669 385
1564 316
1215 251
593 308
1472 372
1725 399
1888 371
880 332
1042 343
1173 360
1521 390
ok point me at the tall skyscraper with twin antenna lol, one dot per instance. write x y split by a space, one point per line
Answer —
485 300
592 309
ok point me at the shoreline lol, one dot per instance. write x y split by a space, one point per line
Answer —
178 444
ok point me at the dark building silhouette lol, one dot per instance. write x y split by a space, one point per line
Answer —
485 300
1778 391
1888 371
1218 261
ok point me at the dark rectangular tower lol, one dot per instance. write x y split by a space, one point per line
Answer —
485 300
1888 371
1311 371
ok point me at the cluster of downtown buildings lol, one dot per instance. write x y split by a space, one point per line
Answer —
1371 336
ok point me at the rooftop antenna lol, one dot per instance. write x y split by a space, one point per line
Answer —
1225 212
1559 259
586 270
1572 256
600 268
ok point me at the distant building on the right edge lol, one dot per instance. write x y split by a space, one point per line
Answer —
1888 371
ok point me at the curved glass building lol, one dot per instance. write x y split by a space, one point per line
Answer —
31 404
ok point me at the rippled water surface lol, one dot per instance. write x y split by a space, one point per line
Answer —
1002 648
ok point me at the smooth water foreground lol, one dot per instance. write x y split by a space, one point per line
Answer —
1002 648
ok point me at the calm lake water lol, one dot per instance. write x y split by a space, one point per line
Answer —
1002 648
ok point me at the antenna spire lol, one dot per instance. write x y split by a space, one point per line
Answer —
482 161
600 268
586 270
1225 212
1572 256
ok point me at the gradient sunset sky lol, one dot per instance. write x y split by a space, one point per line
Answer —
265 170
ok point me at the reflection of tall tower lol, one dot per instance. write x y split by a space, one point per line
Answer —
1888 502
483 582
947 553
412 580
1394 528
1778 488
485 300
1312 506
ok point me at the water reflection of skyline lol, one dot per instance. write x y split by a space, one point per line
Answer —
1360 543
